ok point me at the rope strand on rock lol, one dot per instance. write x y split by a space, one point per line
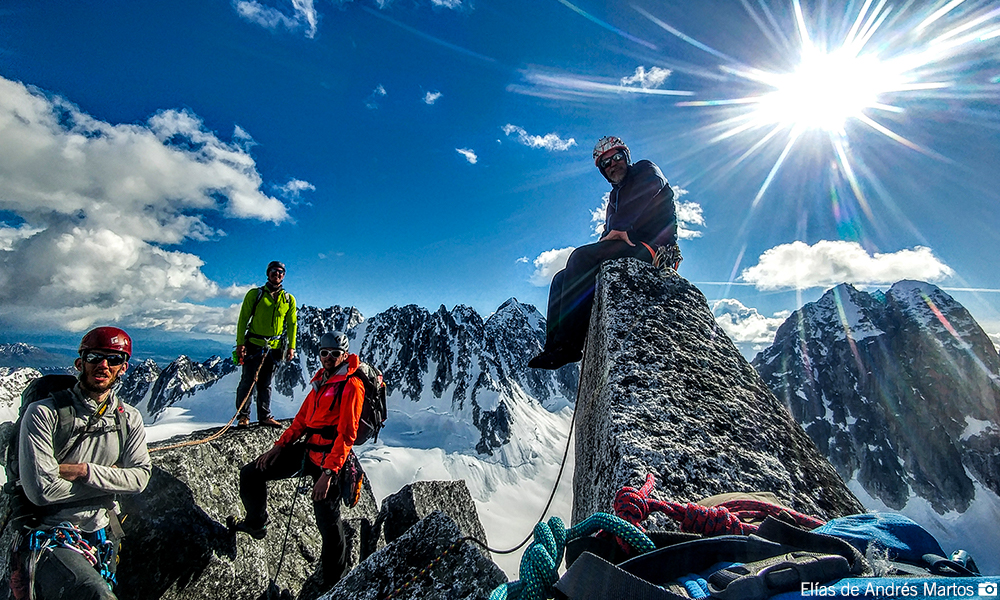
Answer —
224 428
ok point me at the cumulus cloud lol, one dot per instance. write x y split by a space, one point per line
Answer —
549 141
11 235
689 214
746 325
98 201
599 214
373 98
303 16
828 263
548 264
646 80
468 154
431 97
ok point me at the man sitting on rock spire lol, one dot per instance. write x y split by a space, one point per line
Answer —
640 220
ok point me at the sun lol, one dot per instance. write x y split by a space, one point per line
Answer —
825 91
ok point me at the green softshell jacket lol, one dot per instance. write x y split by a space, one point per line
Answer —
271 319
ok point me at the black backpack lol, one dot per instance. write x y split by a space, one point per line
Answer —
59 388
373 412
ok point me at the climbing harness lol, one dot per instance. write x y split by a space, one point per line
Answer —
99 551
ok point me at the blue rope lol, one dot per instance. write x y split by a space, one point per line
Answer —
539 569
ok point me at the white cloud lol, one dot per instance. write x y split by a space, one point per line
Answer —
431 97
548 264
599 215
294 188
689 214
745 325
372 101
827 263
97 201
303 16
468 154
549 141
11 235
453 4
651 79
523 259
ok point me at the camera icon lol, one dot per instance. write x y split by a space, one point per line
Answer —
987 589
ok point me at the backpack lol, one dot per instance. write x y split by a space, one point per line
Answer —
373 411
59 388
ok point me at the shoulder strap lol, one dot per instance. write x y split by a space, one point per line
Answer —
66 415
253 309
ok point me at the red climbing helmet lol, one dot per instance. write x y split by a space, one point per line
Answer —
609 142
107 338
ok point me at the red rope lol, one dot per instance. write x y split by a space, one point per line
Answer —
726 518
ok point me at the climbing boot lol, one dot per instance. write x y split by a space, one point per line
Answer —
555 357
242 422
270 422
257 533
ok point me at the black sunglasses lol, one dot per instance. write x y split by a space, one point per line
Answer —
114 360
282 271
324 353
616 156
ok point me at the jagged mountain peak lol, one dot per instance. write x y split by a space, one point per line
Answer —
886 385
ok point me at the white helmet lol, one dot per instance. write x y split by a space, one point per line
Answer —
610 142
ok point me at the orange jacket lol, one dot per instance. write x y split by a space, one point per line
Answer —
331 425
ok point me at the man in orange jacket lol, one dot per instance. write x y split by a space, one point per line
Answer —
318 444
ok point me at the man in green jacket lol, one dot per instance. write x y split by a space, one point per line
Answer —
267 325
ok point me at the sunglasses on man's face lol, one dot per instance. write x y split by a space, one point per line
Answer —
278 271
95 358
333 353
614 157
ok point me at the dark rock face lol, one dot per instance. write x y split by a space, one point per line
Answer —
138 381
899 389
418 500
663 390
454 571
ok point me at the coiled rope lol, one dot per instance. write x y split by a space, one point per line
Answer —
539 569
729 517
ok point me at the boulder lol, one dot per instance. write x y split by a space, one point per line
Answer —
428 562
663 390
415 501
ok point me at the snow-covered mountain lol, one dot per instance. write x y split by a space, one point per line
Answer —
901 391
25 355
446 371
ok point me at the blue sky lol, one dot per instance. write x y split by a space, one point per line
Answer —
155 156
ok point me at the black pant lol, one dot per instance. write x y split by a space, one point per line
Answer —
571 294
62 574
266 359
253 492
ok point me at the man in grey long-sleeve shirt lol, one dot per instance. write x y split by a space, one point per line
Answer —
107 456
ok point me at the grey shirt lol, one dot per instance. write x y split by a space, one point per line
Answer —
40 471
